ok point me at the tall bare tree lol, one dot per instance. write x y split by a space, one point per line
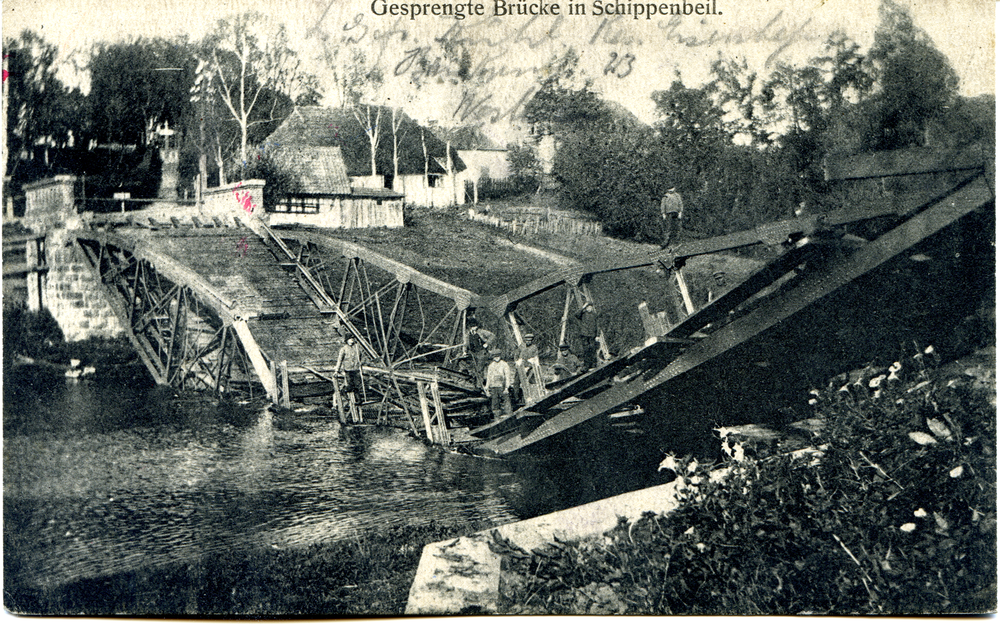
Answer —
249 56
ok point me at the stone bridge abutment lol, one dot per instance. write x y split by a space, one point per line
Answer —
58 276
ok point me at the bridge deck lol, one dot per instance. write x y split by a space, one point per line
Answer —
241 268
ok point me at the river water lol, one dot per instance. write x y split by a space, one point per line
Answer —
107 476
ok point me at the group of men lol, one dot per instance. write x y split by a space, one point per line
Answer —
502 382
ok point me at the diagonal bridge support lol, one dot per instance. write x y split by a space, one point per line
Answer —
187 334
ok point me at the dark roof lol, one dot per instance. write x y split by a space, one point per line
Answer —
317 169
322 127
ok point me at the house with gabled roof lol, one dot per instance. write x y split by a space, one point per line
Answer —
328 153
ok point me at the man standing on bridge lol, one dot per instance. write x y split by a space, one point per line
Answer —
587 330
498 383
671 211
349 362
478 345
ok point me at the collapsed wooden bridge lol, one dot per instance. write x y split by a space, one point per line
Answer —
233 306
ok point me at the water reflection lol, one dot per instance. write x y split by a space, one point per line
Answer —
101 478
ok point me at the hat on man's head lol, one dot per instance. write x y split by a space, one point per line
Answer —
529 336
564 347
496 356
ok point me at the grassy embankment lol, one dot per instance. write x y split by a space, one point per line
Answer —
892 511
491 261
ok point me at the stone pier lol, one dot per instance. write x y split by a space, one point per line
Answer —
62 282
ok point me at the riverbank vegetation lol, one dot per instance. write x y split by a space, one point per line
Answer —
888 508
747 148
368 575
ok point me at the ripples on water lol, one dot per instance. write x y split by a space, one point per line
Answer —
101 478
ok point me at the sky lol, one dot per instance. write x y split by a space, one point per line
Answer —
626 59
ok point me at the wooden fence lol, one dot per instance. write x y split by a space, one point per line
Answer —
534 224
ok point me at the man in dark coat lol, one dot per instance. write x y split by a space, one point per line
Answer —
587 330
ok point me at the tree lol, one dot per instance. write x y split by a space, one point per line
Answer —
397 135
38 105
561 104
737 92
249 58
357 84
906 86
915 80
525 169
137 86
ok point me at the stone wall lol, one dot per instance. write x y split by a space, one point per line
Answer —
48 203
235 198
72 295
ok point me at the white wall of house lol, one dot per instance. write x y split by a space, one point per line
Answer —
340 212
368 182
447 190
479 163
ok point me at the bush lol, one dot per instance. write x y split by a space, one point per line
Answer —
892 510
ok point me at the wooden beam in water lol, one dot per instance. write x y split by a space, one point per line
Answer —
425 410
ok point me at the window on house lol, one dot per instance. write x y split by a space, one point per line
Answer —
298 205
433 180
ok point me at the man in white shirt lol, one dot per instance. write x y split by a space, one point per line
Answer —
498 382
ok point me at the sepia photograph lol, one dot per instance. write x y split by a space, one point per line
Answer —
386 308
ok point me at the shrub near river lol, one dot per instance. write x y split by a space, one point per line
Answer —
893 511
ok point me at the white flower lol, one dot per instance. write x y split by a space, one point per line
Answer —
895 367
843 389
955 473
701 547
814 392
692 466
813 400
929 350
922 438
877 394
670 463
938 428
689 531
920 513
908 527
875 382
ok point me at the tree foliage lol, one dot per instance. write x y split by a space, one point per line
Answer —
746 148
138 85
525 169
39 107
